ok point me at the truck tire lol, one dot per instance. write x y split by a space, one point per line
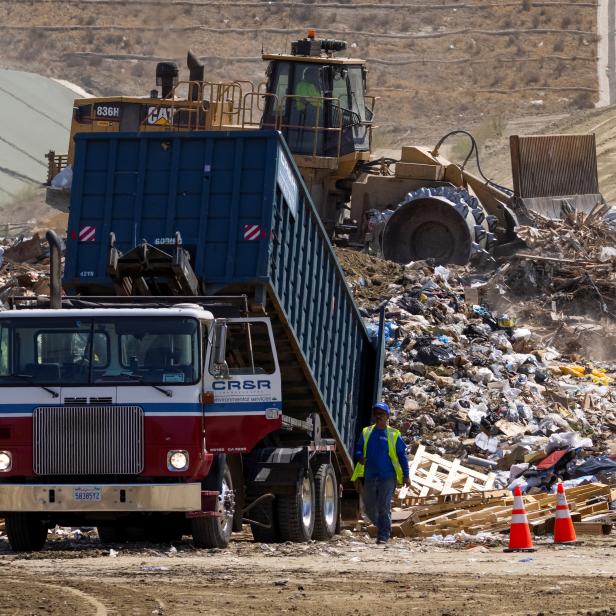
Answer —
216 532
326 503
296 511
266 513
26 532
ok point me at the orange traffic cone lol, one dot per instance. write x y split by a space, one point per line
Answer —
519 532
564 531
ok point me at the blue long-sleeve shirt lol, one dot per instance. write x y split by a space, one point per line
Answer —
378 464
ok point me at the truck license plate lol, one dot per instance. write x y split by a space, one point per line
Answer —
87 493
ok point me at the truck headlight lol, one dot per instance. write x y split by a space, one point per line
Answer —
6 461
177 460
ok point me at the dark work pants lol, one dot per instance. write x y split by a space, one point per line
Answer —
377 503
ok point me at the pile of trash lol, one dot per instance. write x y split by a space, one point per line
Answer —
24 268
474 382
566 277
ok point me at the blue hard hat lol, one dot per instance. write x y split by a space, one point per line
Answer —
381 406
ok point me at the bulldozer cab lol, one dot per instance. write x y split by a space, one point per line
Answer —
318 101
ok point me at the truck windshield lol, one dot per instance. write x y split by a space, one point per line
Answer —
86 351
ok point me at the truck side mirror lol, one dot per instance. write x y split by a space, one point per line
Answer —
221 369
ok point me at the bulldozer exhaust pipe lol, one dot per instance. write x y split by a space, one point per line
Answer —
55 257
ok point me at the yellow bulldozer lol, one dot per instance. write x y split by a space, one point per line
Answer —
420 206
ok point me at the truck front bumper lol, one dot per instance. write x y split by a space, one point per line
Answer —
166 497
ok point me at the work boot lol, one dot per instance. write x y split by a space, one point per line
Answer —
379 541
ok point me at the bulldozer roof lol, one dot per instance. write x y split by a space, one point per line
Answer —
315 59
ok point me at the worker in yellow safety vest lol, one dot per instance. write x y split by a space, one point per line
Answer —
382 462
308 87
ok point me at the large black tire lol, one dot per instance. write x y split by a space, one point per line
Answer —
296 511
216 532
327 503
265 512
26 532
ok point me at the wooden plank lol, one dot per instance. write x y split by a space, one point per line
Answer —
592 528
595 508
416 459
453 471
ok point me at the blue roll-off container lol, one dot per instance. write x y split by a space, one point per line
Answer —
247 220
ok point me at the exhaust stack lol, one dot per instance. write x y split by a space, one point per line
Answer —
167 77
196 73
55 274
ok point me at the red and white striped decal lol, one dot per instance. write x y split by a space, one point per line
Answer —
252 232
87 234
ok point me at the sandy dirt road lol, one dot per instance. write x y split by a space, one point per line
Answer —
343 577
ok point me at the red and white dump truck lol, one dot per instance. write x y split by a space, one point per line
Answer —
205 363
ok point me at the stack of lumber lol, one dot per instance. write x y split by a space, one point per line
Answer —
491 512
432 475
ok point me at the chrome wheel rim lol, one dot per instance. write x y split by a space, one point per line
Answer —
306 502
329 501
226 503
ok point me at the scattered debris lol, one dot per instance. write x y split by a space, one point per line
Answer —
484 368
490 512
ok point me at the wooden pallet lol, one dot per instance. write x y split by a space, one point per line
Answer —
491 511
430 474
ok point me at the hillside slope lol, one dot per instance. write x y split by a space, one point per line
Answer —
435 65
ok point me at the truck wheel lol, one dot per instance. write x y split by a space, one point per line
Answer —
216 532
266 513
26 532
296 511
326 505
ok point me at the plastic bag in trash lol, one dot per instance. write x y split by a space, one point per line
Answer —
592 466
412 305
486 443
64 179
521 333
567 440
607 253
433 355
442 272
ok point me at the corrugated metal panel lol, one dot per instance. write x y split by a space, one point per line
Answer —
554 165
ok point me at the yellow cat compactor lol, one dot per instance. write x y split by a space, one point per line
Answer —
420 206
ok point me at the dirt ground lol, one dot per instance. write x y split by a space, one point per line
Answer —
346 576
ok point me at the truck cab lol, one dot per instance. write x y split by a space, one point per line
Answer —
117 416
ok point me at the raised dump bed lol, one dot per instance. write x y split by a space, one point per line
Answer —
246 219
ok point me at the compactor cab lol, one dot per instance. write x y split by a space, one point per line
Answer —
318 101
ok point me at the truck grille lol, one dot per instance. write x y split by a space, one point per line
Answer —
88 440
